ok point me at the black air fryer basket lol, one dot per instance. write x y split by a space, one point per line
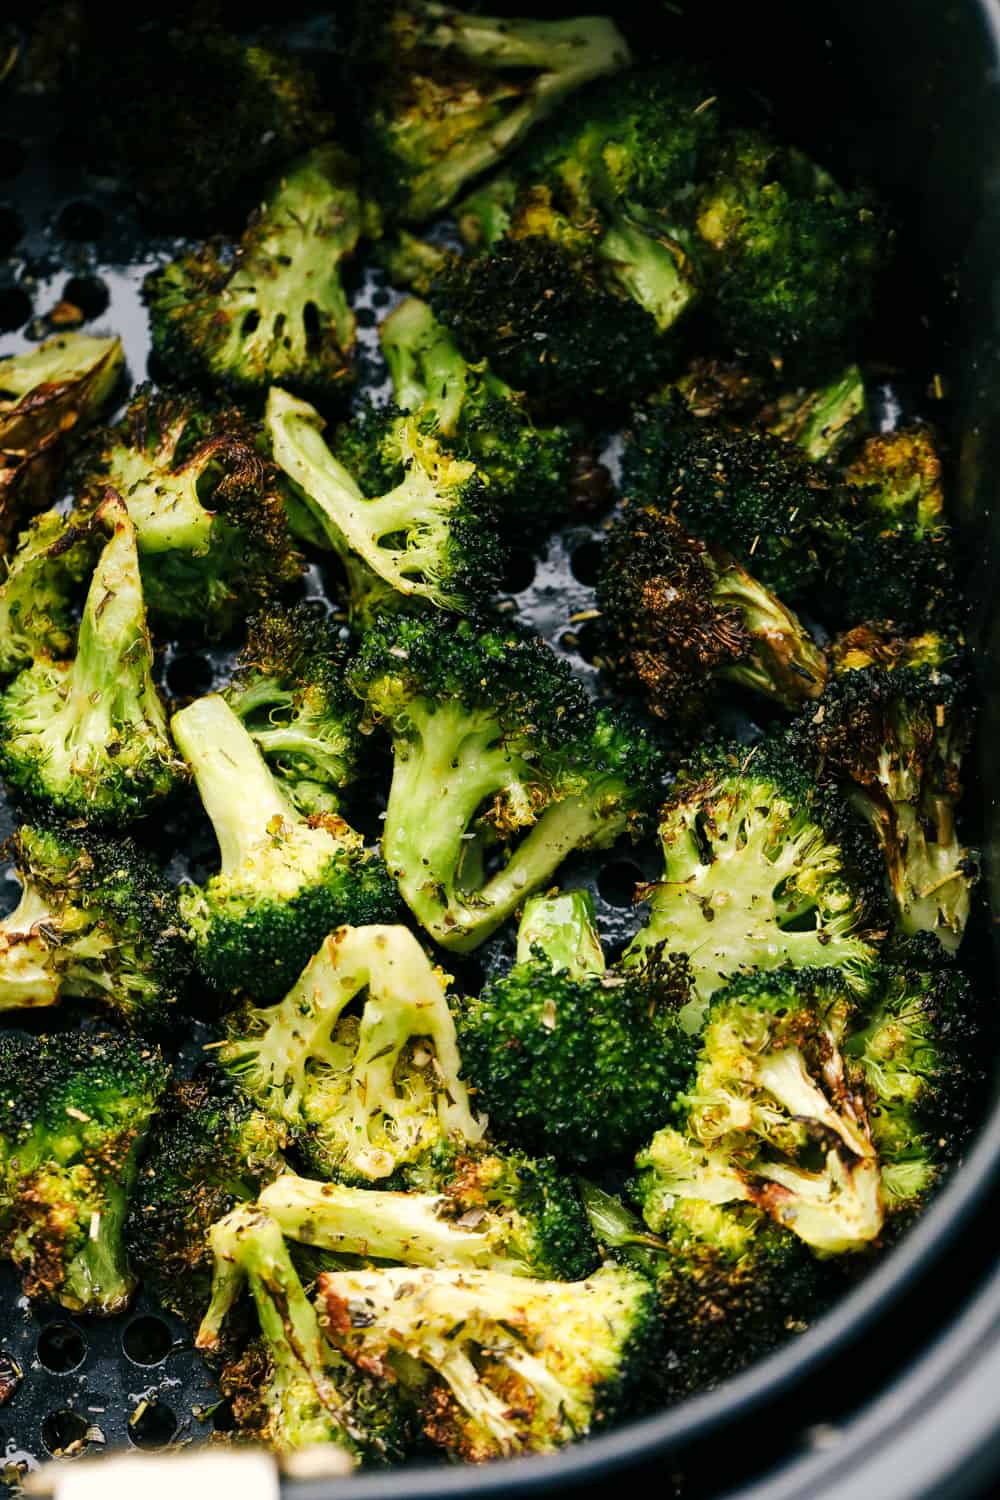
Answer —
896 1391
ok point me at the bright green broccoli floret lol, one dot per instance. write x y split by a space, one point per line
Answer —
74 1111
363 1093
274 309
496 747
40 581
567 1057
89 736
286 879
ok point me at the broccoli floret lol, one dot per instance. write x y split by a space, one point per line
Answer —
207 508
74 1111
894 724
290 691
458 91
430 535
89 736
499 1365
275 308
48 397
822 421
292 1390
762 869
410 261
95 920
37 594
681 615
559 1018
286 879
209 1150
364 1093
494 743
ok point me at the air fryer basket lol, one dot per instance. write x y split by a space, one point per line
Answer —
905 96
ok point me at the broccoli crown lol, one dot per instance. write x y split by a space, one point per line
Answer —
290 691
209 1150
207 508
275 309
37 594
95 920
500 1365
74 1110
494 741
681 615
89 736
366 1091
762 869
898 479
286 878
430 536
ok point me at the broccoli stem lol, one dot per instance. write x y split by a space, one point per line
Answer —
27 977
929 878
427 370
97 1277
821 421
59 360
562 927
163 503
650 268
835 1211
785 663
785 1075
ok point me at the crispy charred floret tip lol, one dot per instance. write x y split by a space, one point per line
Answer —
207 509
275 308
559 1017
495 743
762 869
39 588
367 1092
286 878
89 736
74 1111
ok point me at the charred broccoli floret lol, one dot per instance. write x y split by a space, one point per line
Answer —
286 879
89 736
74 1111
206 506
274 309
495 743
37 594
567 1057
363 1093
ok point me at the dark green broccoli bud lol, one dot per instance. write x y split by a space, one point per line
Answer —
292 1390
367 1092
51 560
48 397
761 871
206 506
821 421
894 724
567 1058
74 1111
458 91
494 743
430 535
499 1365
209 1150
274 310
790 258
286 879
96 921
290 691
680 616
89 736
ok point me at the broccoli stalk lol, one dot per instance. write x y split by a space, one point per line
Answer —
51 560
821 421
560 928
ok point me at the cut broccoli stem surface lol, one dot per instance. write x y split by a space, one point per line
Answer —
562 929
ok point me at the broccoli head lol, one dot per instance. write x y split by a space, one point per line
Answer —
275 310
52 559
286 878
496 748
365 1088
89 736
74 1111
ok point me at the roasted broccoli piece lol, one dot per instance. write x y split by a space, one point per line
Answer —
74 1110
762 869
209 1150
894 724
494 743
457 91
499 1365
681 615
274 309
206 506
363 1093
821 421
51 560
89 736
286 879
559 1018
429 534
